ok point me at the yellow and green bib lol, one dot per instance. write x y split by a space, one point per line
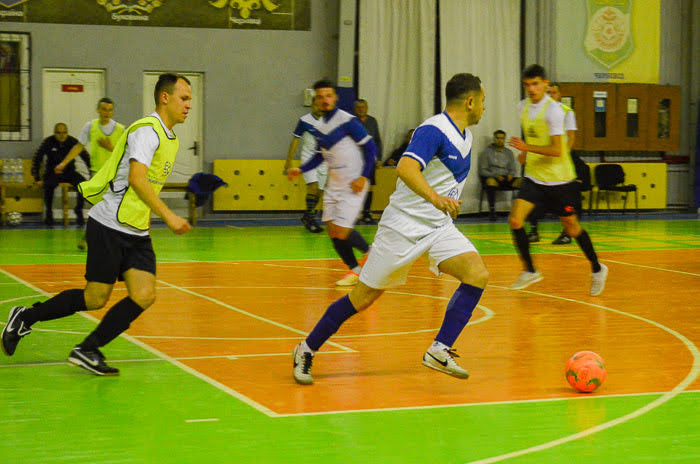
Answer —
548 169
99 155
132 210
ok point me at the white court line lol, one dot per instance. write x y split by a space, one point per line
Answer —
632 264
19 298
254 316
575 396
665 397
192 421
164 356
231 357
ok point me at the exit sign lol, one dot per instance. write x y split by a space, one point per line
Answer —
72 87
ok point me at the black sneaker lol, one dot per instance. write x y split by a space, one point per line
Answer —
14 330
533 237
313 226
367 219
91 360
563 239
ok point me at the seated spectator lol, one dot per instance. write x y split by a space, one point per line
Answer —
497 169
393 160
55 148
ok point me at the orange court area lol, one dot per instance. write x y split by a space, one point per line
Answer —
237 322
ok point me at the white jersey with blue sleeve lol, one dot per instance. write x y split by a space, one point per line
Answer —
306 132
341 137
445 156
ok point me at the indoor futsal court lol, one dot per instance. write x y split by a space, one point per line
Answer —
206 372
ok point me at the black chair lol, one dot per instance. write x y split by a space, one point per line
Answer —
611 178
583 176
498 189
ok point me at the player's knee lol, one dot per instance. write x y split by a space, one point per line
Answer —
95 299
478 276
144 297
514 222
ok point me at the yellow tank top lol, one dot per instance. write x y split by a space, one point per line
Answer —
546 169
132 210
99 155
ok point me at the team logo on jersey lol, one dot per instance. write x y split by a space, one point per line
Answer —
167 167
531 132
454 193
608 33
11 3
134 6
245 7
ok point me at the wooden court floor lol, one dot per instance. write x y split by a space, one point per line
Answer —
233 323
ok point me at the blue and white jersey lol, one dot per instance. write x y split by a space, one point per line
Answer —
445 155
341 137
306 131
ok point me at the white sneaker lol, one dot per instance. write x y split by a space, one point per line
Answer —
598 280
302 366
350 279
525 279
443 361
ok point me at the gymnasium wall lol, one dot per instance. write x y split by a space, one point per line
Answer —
253 80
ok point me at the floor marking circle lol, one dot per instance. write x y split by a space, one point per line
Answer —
666 396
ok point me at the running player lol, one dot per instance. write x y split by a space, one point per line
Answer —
432 173
315 179
549 179
124 192
349 151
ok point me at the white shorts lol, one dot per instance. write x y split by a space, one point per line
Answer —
392 254
342 208
320 175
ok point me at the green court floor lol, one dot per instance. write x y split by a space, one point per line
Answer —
157 412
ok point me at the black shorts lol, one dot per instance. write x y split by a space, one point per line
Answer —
111 253
560 200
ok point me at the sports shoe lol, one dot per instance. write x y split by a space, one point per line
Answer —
598 280
444 361
82 244
563 239
525 279
313 226
533 237
302 366
350 279
367 218
91 360
14 330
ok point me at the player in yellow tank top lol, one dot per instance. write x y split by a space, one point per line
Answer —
549 179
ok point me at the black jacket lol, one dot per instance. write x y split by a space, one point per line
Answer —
55 152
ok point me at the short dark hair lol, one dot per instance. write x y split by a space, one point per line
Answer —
555 84
323 84
55 127
105 100
460 85
534 70
166 83
360 100
499 131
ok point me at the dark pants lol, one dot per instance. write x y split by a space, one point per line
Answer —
51 182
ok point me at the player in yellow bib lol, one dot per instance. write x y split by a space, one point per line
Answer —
549 180
98 137
124 192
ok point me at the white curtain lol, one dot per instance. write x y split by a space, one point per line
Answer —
397 64
482 37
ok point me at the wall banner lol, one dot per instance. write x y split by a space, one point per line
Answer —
228 14
619 40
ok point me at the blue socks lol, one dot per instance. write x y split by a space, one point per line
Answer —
338 312
459 311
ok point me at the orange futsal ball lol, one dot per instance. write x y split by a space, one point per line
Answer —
585 371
